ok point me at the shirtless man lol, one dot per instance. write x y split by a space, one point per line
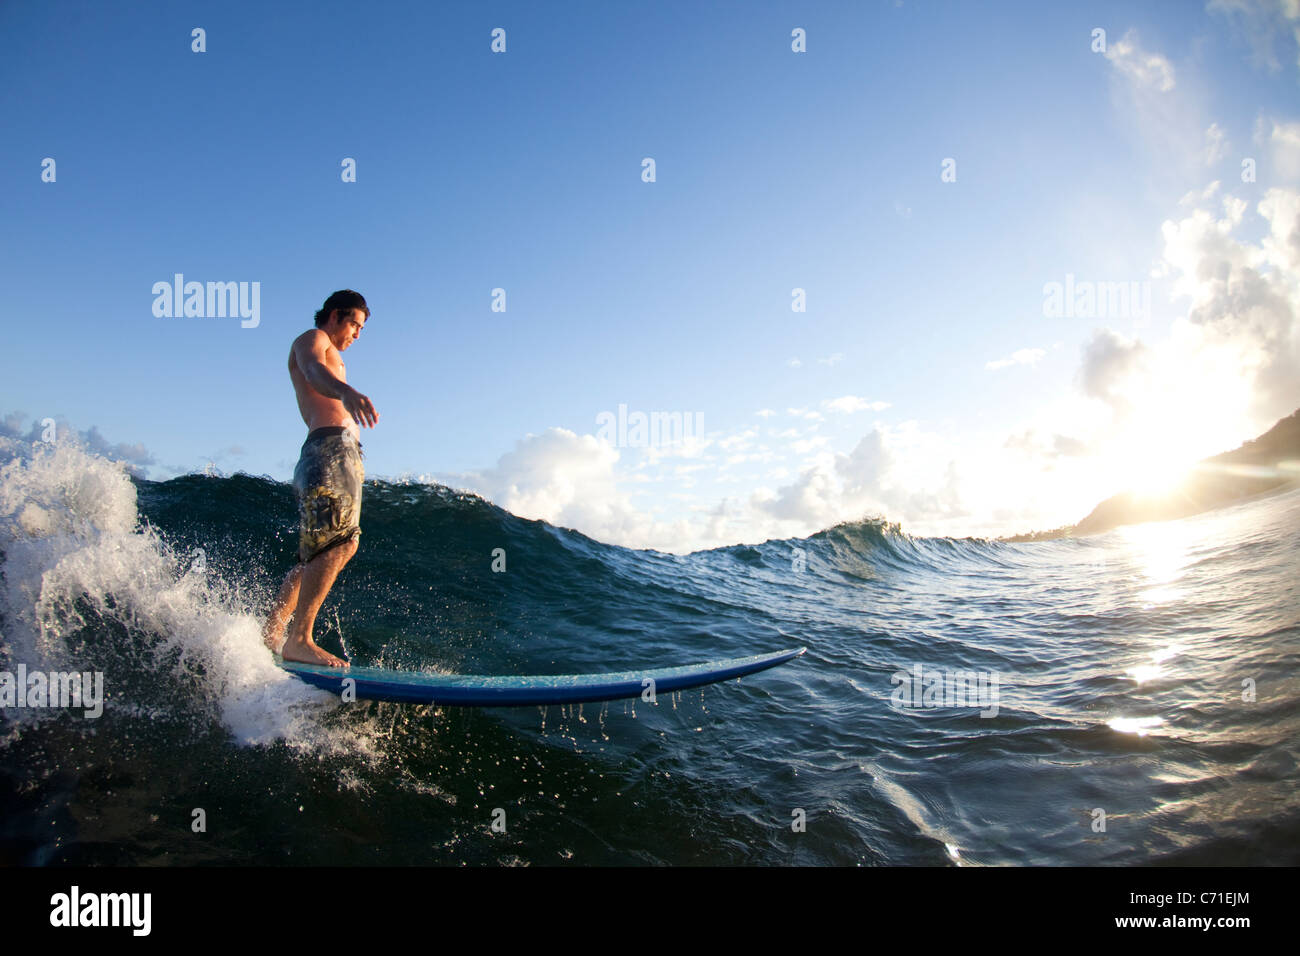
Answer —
328 478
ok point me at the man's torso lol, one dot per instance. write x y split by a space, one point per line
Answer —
319 411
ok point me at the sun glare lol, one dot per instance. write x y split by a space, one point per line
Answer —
1184 405
1157 479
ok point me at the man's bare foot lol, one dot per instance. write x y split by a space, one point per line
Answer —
305 651
272 636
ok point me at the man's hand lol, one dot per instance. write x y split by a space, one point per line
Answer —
360 408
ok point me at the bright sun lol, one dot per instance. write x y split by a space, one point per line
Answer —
1176 414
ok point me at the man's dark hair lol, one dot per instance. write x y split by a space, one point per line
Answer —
345 300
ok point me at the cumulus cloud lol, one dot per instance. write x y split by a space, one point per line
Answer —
11 426
135 453
135 456
806 503
1235 270
571 481
1228 368
560 476
578 481
863 469
1282 140
875 478
1245 297
1109 360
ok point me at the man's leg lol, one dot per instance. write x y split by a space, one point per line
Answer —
314 584
285 602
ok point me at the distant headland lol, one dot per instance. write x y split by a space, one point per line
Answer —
1264 465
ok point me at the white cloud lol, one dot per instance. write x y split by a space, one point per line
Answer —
847 404
805 445
1284 144
1035 444
688 446
808 413
832 359
571 481
880 476
1110 359
738 441
1262 23
1192 243
557 475
1216 144
1018 357
1246 298
1281 247
136 456
1200 196
1143 68
1167 118
1222 373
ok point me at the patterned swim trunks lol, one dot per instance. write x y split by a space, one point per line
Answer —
327 482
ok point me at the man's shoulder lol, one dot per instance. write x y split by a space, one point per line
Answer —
311 335
311 340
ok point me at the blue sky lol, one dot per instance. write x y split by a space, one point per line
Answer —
923 382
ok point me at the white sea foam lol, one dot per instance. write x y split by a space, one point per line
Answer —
71 537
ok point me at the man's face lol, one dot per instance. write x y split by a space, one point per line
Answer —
345 327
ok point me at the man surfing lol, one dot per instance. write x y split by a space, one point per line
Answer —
328 478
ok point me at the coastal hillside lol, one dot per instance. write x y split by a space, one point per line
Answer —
1265 464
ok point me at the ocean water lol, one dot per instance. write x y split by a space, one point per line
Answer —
1125 699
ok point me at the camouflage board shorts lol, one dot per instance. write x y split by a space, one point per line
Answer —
327 482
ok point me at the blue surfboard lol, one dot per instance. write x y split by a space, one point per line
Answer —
415 687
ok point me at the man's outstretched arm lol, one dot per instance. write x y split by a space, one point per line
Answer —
310 354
